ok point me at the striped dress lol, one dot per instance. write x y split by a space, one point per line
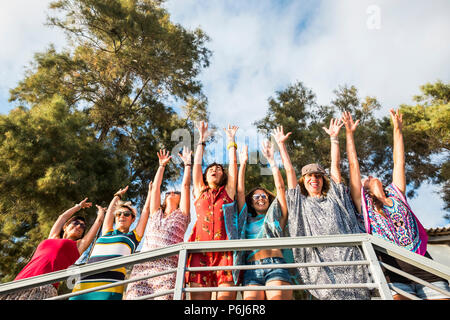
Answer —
113 244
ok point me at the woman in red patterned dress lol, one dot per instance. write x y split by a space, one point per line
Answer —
212 189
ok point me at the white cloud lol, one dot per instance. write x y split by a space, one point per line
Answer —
22 34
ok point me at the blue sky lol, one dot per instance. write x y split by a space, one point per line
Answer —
261 46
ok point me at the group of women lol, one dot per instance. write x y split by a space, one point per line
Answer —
315 204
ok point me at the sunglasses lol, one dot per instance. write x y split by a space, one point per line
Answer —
172 192
260 195
78 223
125 213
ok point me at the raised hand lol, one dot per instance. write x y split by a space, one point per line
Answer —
348 121
186 155
279 135
100 211
202 128
164 157
335 126
397 119
121 192
231 132
268 151
243 154
84 204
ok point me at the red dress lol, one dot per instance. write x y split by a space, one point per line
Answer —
210 225
51 255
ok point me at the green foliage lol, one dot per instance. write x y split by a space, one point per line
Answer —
49 160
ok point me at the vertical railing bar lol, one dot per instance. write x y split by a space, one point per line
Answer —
377 272
179 282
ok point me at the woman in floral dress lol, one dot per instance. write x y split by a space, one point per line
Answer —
166 226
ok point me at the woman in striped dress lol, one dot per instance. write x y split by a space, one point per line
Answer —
112 244
167 225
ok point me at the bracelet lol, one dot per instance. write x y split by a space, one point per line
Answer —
188 164
118 195
231 145
334 139
202 143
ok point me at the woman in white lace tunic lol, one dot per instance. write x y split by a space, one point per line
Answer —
166 226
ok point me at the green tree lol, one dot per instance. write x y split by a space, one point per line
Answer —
427 138
130 69
49 160
296 109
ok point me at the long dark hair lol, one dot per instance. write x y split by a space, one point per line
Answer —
61 234
249 198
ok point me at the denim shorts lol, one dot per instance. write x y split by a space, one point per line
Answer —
262 276
422 291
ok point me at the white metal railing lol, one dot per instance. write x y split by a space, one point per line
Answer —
367 242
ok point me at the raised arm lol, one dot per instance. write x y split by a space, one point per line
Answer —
164 159
63 217
108 223
142 224
333 131
197 174
268 152
232 167
185 201
280 139
398 173
85 242
243 158
355 175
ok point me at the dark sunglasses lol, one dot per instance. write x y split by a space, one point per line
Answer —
125 213
78 223
172 192
260 195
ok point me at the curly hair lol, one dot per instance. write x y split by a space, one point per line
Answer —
325 187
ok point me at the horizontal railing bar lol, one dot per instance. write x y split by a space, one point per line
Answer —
403 293
414 278
369 285
111 285
154 295
200 246
280 266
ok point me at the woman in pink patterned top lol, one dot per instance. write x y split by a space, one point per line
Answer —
166 226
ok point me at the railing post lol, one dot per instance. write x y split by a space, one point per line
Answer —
377 272
179 282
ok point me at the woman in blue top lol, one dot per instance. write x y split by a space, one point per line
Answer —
262 215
